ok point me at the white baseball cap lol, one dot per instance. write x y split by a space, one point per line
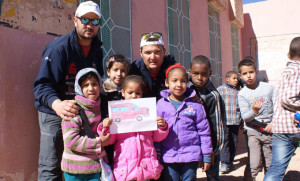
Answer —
87 7
151 39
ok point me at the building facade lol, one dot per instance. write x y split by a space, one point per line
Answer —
269 28
189 28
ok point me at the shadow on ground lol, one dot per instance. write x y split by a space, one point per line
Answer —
225 178
292 175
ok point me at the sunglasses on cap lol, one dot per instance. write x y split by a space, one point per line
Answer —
151 36
86 21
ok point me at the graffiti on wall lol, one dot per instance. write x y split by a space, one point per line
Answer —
50 17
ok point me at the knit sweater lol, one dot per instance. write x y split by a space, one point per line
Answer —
80 152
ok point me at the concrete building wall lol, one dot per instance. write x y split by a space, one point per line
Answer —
19 131
24 26
269 27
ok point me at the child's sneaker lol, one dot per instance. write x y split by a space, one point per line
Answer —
224 168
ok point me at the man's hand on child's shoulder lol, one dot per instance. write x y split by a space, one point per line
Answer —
65 109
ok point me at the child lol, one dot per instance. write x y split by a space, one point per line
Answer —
256 105
200 72
117 67
134 153
229 95
286 137
80 157
189 139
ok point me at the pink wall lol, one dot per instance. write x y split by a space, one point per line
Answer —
19 131
226 43
199 28
145 18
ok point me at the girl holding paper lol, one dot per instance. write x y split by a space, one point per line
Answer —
134 153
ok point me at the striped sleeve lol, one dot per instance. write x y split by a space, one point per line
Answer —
76 142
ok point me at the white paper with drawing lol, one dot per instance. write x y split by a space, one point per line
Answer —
132 115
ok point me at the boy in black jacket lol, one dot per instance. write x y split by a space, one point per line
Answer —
200 72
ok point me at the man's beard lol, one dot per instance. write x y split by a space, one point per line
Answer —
87 38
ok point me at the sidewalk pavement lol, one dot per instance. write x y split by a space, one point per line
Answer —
292 174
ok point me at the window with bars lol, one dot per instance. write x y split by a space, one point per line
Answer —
215 46
115 31
235 47
179 31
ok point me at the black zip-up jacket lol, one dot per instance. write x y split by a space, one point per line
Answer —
215 113
62 58
154 86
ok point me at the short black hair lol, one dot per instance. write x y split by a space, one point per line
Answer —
117 58
295 48
250 58
88 76
201 59
246 62
134 78
230 73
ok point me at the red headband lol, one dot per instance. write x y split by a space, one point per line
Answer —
174 66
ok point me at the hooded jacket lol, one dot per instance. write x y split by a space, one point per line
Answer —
62 59
189 135
135 156
80 152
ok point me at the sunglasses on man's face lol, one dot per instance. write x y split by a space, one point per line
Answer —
86 21
150 36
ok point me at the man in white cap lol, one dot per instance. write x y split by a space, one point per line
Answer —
153 63
54 86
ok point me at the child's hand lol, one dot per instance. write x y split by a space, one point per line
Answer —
257 104
160 121
268 128
104 138
107 122
205 166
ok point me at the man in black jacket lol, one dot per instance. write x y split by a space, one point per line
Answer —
54 86
153 63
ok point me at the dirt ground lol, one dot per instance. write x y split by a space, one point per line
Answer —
292 173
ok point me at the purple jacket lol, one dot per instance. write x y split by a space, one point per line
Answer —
189 133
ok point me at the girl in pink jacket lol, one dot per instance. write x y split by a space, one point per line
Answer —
134 153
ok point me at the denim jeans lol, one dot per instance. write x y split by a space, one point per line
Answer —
283 147
82 177
51 147
213 173
228 151
175 171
